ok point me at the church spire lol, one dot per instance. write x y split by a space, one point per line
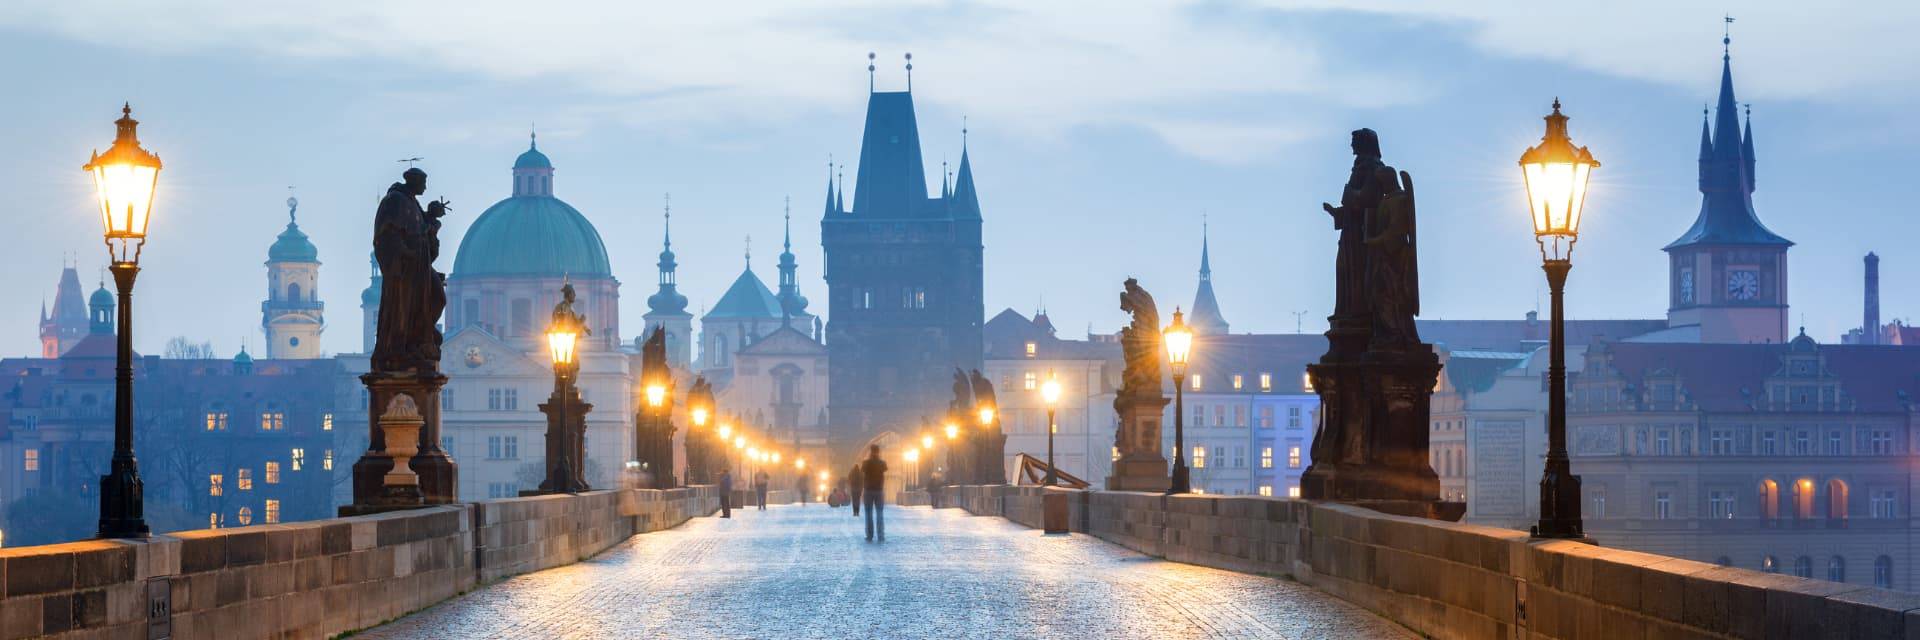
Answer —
965 199
830 209
1726 175
1206 317
668 300
792 304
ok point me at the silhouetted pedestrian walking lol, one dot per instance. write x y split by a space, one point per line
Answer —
873 491
760 489
726 493
853 487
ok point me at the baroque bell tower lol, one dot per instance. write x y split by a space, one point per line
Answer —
292 315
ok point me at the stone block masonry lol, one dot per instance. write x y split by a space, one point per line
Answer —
1448 580
318 578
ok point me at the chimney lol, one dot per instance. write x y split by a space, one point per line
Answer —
1870 324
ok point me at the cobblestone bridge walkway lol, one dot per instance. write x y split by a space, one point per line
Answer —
805 572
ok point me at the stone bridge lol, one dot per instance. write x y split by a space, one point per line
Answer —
639 563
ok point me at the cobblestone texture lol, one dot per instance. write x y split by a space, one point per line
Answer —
805 572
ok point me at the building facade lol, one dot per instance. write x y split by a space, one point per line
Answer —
1021 354
904 283
1794 458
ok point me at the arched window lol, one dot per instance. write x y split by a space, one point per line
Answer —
1769 499
1883 572
1770 564
1803 567
1836 569
1803 499
293 292
1837 496
720 350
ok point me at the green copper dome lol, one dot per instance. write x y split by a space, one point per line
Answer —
531 236
532 159
293 246
101 297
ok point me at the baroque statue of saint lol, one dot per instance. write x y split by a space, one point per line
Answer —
406 241
1358 199
1140 341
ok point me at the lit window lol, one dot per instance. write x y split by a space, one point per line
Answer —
1199 491
273 421
244 480
299 459
1031 381
212 421
1266 382
1293 492
1266 490
326 461
326 422
1199 457
273 473
246 516
1116 454
1306 382
273 511
213 521
31 461
1266 457
1032 349
1236 382
1293 457
214 485
1196 382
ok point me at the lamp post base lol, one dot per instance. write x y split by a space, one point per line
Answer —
1181 482
1559 504
121 500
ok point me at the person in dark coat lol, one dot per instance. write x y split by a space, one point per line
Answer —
853 487
873 488
760 481
726 493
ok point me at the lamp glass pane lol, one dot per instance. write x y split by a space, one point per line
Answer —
125 192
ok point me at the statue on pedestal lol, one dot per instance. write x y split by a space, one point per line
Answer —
653 441
1141 398
406 355
990 459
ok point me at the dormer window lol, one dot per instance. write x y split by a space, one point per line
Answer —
1032 348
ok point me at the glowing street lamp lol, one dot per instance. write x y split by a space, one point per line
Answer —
1050 393
1556 175
656 395
1179 340
124 181
563 448
927 441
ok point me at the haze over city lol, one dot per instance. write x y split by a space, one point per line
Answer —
1120 138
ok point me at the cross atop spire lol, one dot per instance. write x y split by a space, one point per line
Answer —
870 58
666 236
749 252
909 71
786 206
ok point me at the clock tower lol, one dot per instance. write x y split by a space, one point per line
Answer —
1727 275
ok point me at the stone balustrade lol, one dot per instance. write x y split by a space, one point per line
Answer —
1449 580
318 578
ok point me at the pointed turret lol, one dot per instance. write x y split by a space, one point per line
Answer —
831 210
891 182
966 200
1746 151
1206 318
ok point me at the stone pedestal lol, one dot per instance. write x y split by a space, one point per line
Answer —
653 449
438 475
1372 439
566 450
1141 467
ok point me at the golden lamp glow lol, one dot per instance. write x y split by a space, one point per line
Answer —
1050 390
823 477
986 416
560 342
753 453
952 432
913 455
1179 341
699 415
656 395
726 430
776 457
800 464
926 441
1556 173
740 442
124 181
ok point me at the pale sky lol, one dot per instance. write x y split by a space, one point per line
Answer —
1100 134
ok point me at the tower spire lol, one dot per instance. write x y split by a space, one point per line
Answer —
1206 269
870 72
828 208
909 71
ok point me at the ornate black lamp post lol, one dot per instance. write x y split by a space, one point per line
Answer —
698 446
1179 341
1556 173
1050 393
566 414
124 179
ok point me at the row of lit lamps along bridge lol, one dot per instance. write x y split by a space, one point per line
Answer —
126 177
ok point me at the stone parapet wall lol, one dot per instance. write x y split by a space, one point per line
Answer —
318 578
1450 580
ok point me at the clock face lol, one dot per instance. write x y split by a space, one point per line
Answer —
1686 285
475 357
1743 285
